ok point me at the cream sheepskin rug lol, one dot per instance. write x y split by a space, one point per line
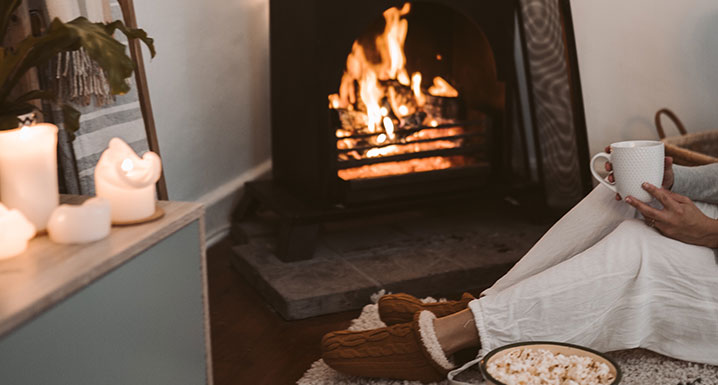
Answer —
639 366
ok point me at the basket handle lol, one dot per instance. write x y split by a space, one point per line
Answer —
673 117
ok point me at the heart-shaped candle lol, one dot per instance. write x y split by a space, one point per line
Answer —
15 232
83 223
127 181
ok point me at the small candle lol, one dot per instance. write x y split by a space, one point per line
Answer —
15 232
28 169
84 223
127 181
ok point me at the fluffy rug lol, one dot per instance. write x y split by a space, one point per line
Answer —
639 366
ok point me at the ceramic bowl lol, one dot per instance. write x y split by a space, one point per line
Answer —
553 347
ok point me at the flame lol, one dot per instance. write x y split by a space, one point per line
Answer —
381 151
416 87
390 45
393 39
442 88
403 78
371 94
389 127
377 96
334 101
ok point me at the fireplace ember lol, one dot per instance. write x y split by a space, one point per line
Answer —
390 123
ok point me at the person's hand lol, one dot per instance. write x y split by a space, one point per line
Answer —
668 176
679 219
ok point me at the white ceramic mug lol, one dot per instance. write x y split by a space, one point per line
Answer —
634 162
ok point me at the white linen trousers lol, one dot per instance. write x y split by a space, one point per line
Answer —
602 278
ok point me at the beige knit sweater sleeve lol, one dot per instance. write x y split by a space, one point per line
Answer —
698 183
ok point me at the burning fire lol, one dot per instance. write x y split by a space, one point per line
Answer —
381 107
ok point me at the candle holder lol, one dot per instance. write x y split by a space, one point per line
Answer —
28 168
128 183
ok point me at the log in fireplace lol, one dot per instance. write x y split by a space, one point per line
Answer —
379 103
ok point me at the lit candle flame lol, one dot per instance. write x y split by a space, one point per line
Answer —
127 165
381 138
24 132
403 110
384 111
433 123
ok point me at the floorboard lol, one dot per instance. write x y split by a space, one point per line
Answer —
251 344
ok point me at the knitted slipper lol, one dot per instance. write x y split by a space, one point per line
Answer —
400 308
408 351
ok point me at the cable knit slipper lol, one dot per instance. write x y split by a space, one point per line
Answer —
408 351
400 308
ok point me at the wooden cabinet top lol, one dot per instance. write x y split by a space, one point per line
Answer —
47 272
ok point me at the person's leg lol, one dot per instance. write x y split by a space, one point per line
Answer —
589 221
456 332
634 288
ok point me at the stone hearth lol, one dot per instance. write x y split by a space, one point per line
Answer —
436 252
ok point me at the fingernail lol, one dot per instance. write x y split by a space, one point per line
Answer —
646 185
628 199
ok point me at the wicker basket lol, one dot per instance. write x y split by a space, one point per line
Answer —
688 149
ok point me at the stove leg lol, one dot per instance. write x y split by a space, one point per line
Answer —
246 207
296 241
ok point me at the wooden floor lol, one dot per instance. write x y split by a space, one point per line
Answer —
251 344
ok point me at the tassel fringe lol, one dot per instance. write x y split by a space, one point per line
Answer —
79 79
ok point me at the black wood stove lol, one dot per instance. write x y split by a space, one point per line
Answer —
379 104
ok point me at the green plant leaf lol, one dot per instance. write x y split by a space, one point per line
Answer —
7 8
36 94
71 119
61 37
103 49
132 33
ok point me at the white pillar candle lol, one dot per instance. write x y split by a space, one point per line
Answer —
15 232
127 181
84 223
28 171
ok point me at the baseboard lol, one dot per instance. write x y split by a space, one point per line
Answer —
219 202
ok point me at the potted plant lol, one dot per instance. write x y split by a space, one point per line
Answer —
95 38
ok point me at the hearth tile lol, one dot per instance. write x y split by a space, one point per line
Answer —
317 279
305 288
259 253
391 265
350 240
485 249
446 224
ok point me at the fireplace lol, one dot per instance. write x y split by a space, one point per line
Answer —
385 105
379 100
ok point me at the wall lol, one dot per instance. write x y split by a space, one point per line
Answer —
209 86
638 56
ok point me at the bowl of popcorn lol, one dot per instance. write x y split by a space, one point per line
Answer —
543 363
